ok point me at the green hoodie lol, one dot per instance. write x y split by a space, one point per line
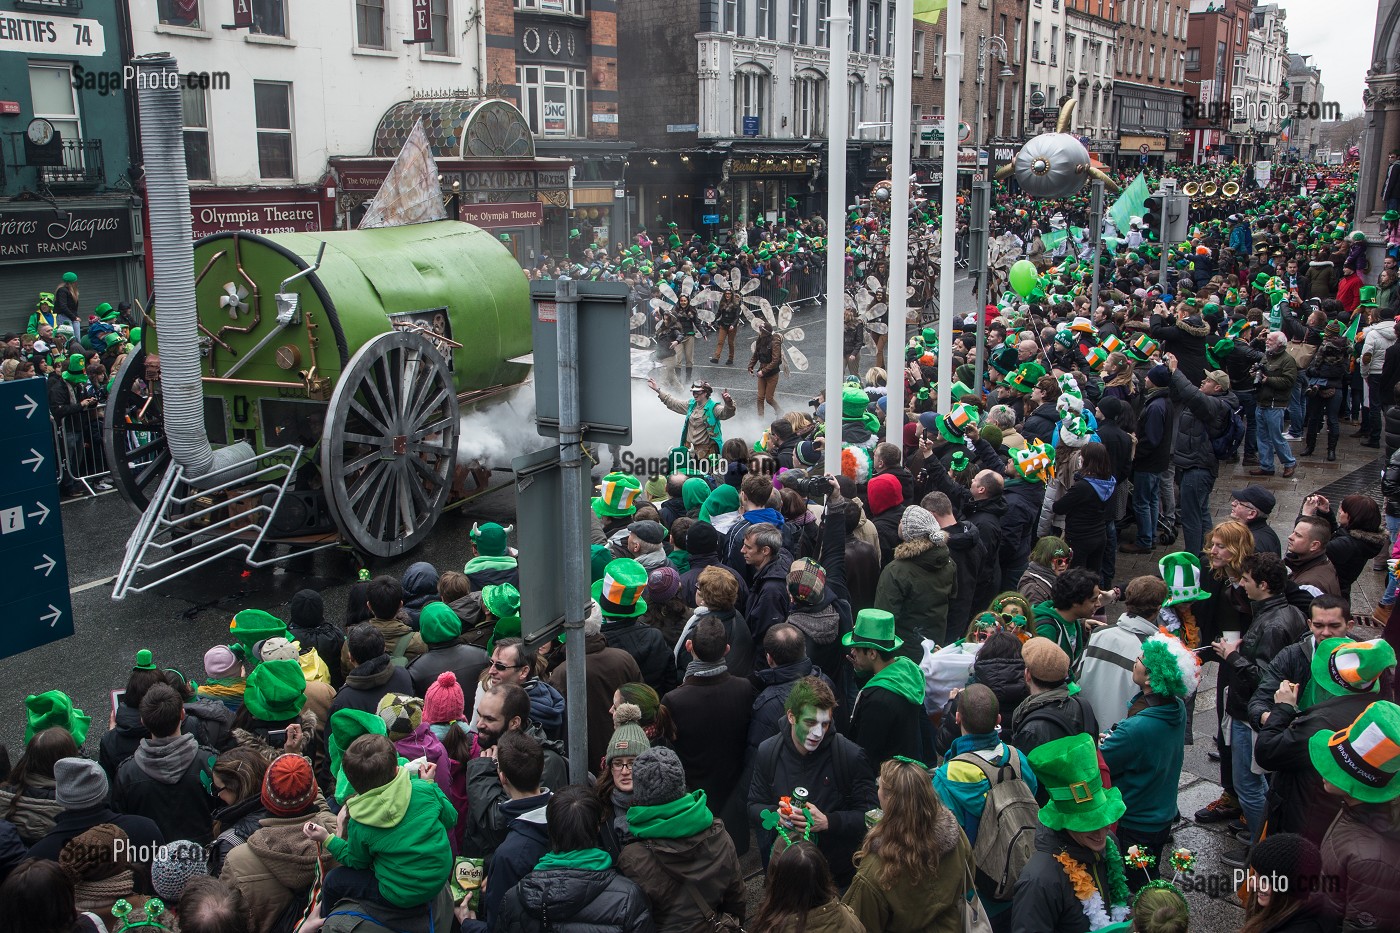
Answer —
400 830
1067 633
902 677
682 817
724 499
694 493
346 726
486 562
579 859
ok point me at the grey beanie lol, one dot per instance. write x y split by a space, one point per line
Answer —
173 867
79 783
657 777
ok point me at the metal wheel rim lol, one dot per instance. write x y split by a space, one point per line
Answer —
389 447
137 462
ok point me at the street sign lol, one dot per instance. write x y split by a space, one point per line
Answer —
539 486
38 609
964 132
604 340
709 218
750 126
1036 116
711 194
1144 148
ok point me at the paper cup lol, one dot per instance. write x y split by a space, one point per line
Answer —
1231 636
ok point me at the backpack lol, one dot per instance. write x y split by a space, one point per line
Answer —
1227 445
1006 834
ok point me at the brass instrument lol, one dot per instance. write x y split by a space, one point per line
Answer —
1191 189
1203 193
1231 189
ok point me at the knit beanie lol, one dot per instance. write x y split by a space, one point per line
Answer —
444 701
289 787
657 777
701 539
173 867
663 583
884 492
79 783
1160 376
917 523
1290 856
306 611
401 714
94 855
628 740
220 662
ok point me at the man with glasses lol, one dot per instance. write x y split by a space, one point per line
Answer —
1252 505
511 664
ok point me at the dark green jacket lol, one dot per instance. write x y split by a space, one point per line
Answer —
1148 782
915 587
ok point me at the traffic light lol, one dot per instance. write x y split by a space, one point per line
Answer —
1153 210
1178 218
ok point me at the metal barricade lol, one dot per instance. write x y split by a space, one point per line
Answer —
81 454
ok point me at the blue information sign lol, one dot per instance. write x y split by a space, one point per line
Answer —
38 609
750 126
709 218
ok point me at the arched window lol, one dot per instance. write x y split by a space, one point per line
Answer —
886 109
809 105
856 105
751 100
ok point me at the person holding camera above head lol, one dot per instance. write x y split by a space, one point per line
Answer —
1184 337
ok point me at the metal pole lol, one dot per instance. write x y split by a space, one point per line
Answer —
1162 238
899 221
573 506
983 261
838 115
952 102
1096 218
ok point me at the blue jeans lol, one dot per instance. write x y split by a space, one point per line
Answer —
1250 789
1146 487
1249 403
1297 407
1270 437
1196 485
359 884
1392 528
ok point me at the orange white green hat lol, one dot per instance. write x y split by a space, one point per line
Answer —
1095 358
1343 667
1034 462
1142 348
1111 343
953 426
617 495
619 593
1361 760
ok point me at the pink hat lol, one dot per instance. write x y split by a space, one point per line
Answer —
220 662
445 701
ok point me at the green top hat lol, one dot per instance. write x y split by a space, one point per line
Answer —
1391 216
1068 769
276 691
1363 758
1261 280
854 401
961 390
105 312
252 626
1025 377
874 628
1343 667
1216 353
1238 329
144 661
1368 296
53 708
618 495
501 600
957 421
1142 348
619 593
1182 573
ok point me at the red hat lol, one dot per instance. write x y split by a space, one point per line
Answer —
444 701
289 788
884 492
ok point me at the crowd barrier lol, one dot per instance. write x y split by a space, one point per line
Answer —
80 453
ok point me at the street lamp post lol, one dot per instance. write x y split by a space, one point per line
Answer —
984 43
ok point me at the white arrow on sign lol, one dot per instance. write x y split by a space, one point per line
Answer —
52 617
48 565
29 409
37 460
42 514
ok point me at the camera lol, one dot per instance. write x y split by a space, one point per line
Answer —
812 487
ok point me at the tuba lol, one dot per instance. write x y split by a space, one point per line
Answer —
1191 189
1231 189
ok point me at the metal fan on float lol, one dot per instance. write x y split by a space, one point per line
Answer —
1054 165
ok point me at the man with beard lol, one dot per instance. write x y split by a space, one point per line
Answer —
503 708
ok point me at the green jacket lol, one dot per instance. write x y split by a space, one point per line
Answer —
400 830
1067 633
1148 782
930 905
915 587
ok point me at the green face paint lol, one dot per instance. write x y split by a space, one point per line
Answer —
811 727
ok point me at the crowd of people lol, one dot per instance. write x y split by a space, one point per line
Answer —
901 685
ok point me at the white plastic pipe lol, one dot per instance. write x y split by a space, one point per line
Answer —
838 116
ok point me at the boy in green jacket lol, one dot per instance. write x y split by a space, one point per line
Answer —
394 849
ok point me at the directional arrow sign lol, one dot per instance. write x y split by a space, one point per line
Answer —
47 565
37 460
41 514
52 616
28 408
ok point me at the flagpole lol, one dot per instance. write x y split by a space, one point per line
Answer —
838 115
898 284
952 93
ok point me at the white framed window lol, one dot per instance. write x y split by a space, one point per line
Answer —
1069 51
54 98
853 8
918 51
823 23
1035 40
797 22
1151 59
371 24
763 25
440 21
572 7
184 13
855 89
734 17
1054 44
938 51
872 28
194 104
270 18
272 110
1016 42
885 101
889 29
751 98
554 100
809 106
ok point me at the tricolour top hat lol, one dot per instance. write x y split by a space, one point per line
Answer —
1362 759
617 495
619 593
1343 667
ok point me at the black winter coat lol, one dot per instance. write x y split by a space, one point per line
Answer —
1276 625
986 516
1007 679
887 527
970 558
768 597
1392 423
1156 432
1187 339
466 662
768 717
1048 716
1044 901
740 658
1040 424
886 724
568 900
366 685
180 808
1350 551
648 647
1293 663
1023 502
526 842
711 715
1201 418
1084 510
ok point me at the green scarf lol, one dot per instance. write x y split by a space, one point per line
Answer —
682 817
581 859
901 677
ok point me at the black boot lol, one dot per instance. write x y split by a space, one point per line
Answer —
1331 449
1312 445
689 371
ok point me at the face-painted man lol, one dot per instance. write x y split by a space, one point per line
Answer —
809 728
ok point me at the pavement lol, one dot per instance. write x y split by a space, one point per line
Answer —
181 621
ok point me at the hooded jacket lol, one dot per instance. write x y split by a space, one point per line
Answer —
648 646
931 906
662 865
163 781
275 865
1148 782
400 830
546 707
1023 502
769 601
366 685
917 587
445 653
1349 551
575 900
1085 508
1156 427
1069 634
888 716
1202 417
420 582
392 630
486 822
1041 423
1187 339
36 810
486 570
1106 674
1045 901
526 842
773 684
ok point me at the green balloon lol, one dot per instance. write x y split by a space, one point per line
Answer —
1024 277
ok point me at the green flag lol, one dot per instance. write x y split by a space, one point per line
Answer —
1129 204
1350 332
926 11
1052 239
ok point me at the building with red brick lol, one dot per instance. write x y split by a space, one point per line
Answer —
1150 80
1217 44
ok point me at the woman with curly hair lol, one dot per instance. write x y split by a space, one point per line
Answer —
916 865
